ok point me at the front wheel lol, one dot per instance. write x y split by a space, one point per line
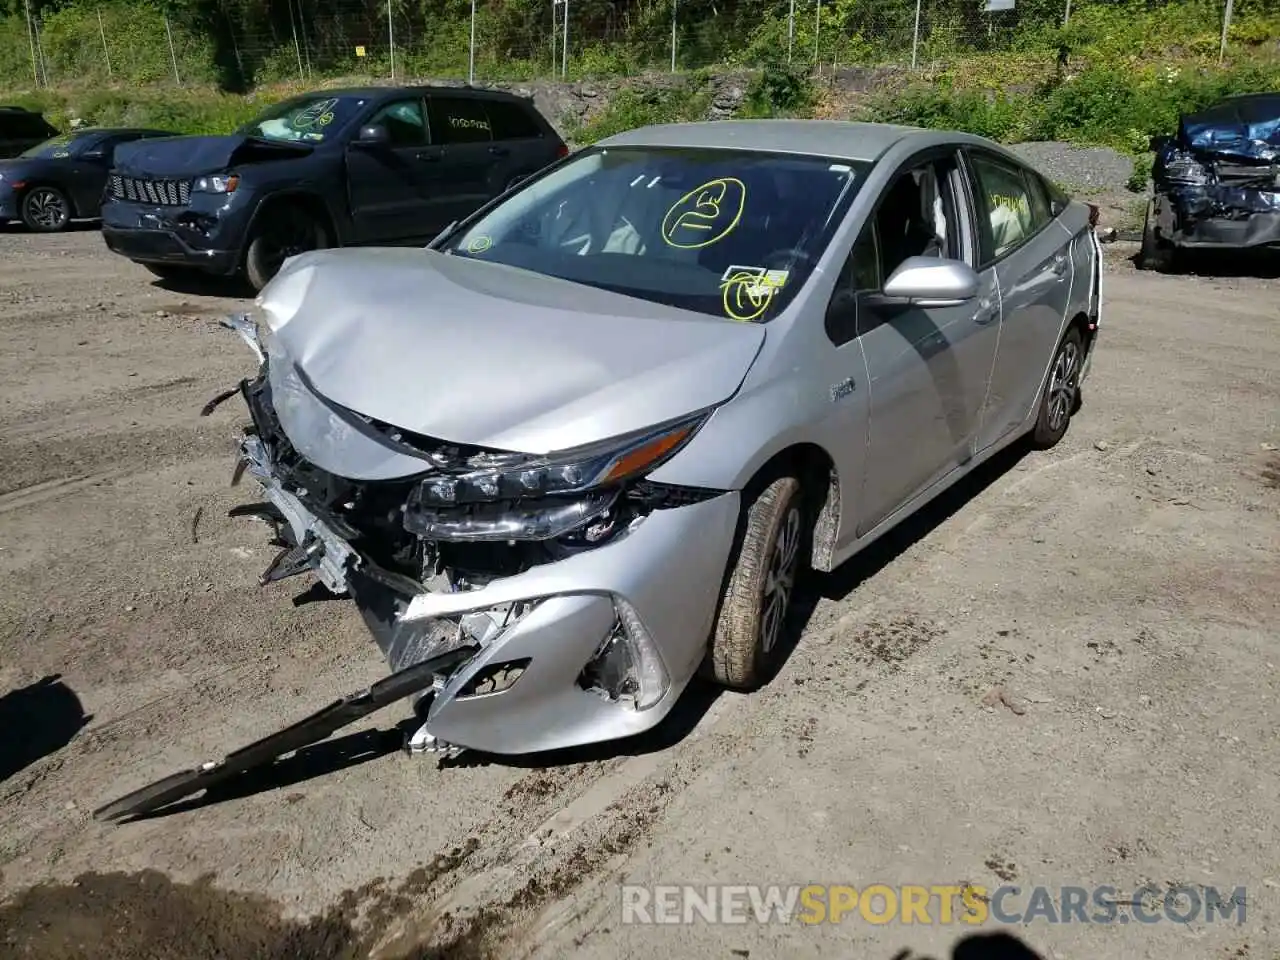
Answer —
280 234
747 645
46 210
1061 392
1156 253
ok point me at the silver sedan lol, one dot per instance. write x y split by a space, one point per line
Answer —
587 442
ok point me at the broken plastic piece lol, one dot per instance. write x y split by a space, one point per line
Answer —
319 726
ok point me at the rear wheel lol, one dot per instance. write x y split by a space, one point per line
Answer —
747 645
1062 391
282 232
46 210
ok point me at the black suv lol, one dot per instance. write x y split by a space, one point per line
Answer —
21 129
333 168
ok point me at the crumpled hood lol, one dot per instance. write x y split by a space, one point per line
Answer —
487 355
192 156
1247 127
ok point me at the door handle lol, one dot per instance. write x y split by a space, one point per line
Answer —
499 151
1060 264
427 157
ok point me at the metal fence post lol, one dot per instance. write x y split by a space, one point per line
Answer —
173 54
1226 27
297 49
817 28
553 37
1066 14
391 38
31 35
106 53
791 29
564 54
915 36
471 60
674 6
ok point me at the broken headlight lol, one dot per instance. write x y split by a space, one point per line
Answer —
571 472
544 519
1184 168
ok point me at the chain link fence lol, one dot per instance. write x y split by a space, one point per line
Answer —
245 43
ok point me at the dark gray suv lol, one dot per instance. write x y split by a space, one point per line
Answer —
21 129
380 165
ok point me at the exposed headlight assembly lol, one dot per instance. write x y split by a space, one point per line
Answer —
569 472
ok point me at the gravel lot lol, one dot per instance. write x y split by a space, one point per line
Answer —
1121 591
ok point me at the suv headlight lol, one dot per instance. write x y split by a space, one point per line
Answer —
216 183
569 472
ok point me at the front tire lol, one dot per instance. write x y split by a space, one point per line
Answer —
746 648
46 210
1155 253
279 234
1061 392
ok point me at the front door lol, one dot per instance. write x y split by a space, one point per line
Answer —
928 367
390 184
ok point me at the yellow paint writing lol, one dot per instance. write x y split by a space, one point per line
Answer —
314 115
747 295
1016 204
468 123
705 215
479 244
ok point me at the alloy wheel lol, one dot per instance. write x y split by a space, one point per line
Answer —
1063 384
46 208
780 579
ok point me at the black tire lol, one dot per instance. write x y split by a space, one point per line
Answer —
1156 254
46 210
747 645
1061 392
281 232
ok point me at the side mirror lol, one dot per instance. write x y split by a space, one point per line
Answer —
374 135
94 156
932 282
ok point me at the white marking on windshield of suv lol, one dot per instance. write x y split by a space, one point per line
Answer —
654 182
636 180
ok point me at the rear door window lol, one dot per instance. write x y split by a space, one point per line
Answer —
459 120
510 121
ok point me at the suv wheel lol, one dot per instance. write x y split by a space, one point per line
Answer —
748 643
46 210
283 232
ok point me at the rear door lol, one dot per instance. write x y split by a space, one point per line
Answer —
1031 255
519 142
472 164
391 186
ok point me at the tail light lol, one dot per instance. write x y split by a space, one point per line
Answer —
562 151
1093 214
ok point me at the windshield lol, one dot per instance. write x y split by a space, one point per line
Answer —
722 232
60 146
304 119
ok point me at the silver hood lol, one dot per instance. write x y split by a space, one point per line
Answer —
483 354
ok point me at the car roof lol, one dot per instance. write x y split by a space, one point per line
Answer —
840 139
11 108
382 92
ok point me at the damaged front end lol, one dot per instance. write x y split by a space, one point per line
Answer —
581 592
1217 182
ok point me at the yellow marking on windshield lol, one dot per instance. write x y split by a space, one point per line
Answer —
479 244
705 215
749 291
314 115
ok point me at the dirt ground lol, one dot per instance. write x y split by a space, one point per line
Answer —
1122 592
